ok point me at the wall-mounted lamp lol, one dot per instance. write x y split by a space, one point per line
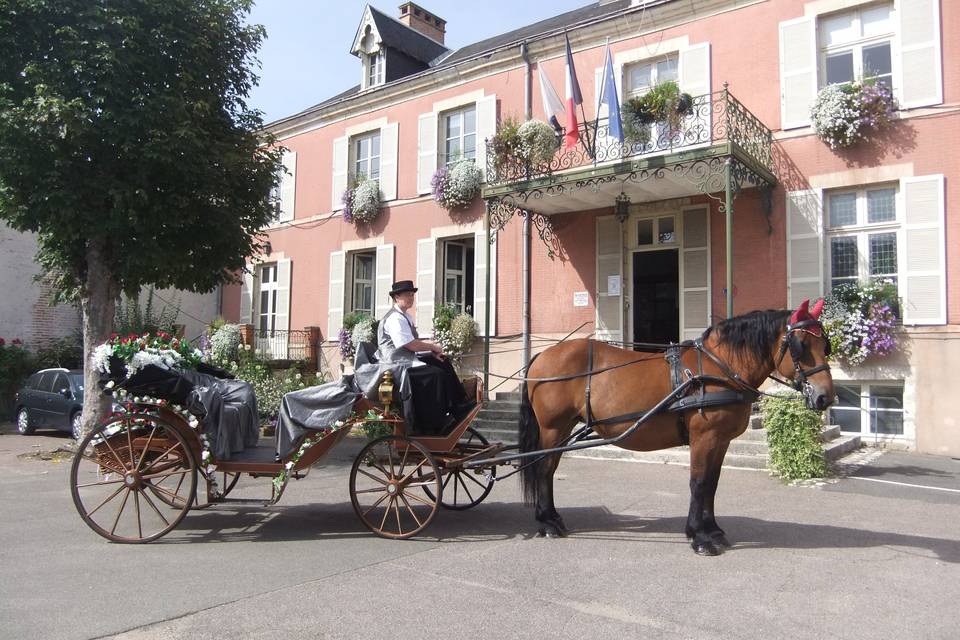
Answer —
267 248
621 207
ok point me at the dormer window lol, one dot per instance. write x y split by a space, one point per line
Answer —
375 63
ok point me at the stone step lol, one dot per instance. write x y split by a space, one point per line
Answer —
497 414
841 446
507 396
830 432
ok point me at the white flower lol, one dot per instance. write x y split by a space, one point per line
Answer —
288 466
110 385
366 201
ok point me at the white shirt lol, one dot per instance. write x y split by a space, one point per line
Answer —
398 329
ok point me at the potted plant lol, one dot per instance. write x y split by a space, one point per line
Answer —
531 143
846 114
456 185
663 103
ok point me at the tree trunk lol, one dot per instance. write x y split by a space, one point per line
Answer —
98 300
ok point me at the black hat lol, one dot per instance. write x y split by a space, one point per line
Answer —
402 286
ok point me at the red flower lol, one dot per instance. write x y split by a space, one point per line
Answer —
16 341
2 342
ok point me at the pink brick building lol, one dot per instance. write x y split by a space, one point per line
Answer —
799 219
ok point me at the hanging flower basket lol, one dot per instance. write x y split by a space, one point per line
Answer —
531 143
361 202
456 185
845 114
861 320
663 103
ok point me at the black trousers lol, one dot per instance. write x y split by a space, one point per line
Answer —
437 392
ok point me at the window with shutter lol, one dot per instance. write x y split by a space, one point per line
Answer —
459 135
857 45
609 304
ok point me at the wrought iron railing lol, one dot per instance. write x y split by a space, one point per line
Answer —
713 118
277 344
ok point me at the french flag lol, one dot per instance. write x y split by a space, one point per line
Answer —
573 98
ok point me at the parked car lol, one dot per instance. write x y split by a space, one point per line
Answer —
50 398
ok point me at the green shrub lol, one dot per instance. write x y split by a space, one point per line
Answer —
66 352
793 433
16 364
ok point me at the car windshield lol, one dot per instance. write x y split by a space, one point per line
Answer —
77 380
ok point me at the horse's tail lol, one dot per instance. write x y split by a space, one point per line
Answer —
529 435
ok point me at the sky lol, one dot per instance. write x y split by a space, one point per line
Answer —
306 55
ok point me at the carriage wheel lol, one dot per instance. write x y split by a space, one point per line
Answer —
121 470
465 488
392 487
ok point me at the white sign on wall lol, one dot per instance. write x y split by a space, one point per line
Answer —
613 285
581 299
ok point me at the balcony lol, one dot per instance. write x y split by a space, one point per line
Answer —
283 347
718 143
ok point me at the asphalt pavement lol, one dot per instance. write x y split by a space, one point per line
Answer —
874 554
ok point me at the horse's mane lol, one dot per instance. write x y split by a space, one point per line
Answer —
753 335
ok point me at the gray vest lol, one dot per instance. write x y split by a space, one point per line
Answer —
387 351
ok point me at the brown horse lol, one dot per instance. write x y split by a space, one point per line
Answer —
705 389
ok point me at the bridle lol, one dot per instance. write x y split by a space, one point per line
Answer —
797 348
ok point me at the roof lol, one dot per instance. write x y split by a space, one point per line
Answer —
399 36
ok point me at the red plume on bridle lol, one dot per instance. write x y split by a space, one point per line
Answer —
804 312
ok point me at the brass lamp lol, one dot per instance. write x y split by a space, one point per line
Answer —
621 207
386 390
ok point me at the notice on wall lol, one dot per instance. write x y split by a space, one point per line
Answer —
581 299
613 285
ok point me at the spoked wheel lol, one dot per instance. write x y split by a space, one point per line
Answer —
466 488
392 486
133 479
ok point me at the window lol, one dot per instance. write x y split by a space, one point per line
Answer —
862 232
362 272
458 268
460 134
375 64
656 231
366 156
642 76
856 45
267 307
869 408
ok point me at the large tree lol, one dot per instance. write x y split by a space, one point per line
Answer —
127 145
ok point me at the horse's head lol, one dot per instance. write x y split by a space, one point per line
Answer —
808 345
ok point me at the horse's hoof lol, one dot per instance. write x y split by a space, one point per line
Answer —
551 531
705 548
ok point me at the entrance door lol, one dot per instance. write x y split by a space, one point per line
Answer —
656 296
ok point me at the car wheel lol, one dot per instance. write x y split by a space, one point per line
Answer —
76 425
23 422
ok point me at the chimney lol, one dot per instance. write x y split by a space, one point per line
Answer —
419 19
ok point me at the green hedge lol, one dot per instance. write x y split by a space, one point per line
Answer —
793 433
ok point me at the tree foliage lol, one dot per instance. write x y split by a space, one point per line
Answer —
124 124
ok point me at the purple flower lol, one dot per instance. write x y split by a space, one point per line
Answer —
439 183
345 343
347 200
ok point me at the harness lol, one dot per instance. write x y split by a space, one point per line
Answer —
738 391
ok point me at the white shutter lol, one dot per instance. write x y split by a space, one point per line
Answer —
804 246
609 312
426 150
486 127
246 296
923 279
339 183
384 278
798 71
480 302
426 283
388 161
695 260
335 299
279 343
694 74
920 57
288 186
